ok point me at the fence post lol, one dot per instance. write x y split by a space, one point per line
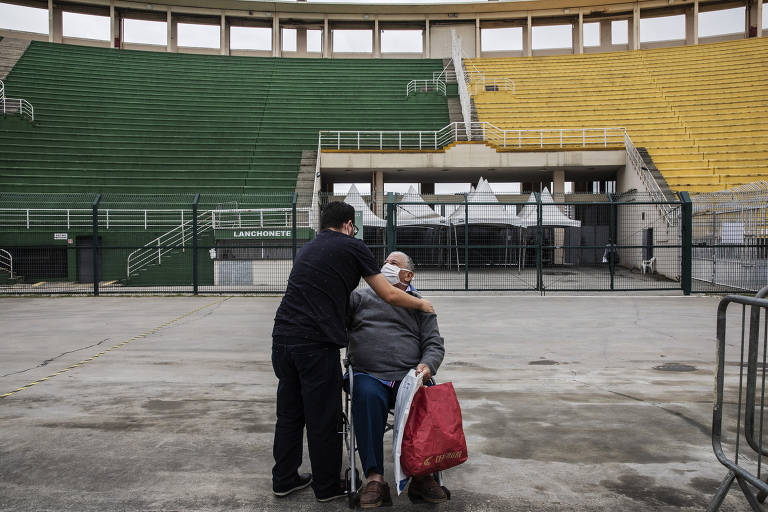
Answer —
95 245
539 242
466 241
686 264
391 223
293 227
194 243
612 240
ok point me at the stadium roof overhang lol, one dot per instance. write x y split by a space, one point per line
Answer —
469 10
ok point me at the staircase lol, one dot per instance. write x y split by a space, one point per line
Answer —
305 181
151 255
11 50
663 185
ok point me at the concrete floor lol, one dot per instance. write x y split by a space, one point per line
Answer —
562 406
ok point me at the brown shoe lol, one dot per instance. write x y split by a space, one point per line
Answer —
425 488
375 495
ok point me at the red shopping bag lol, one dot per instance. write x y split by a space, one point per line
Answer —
433 438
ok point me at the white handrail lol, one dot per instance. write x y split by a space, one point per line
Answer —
6 262
434 85
165 243
314 214
540 138
15 105
464 100
635 161
30 218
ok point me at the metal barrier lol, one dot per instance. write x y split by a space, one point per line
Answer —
523 140
246 243
16 105
741 467
425 86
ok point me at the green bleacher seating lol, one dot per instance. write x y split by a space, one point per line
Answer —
132 121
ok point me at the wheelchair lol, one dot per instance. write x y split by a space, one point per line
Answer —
352 476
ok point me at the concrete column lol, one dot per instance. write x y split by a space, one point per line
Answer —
634 28
376 38
113 30
173 30
50 21
759 17
692 24
605 35
224 36
377 192
427 51
276 39
578 35
478 49
301 40
55 23
326 39
528 37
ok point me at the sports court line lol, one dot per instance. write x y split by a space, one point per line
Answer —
139 336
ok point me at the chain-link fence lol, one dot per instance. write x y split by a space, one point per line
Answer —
208 243
730 239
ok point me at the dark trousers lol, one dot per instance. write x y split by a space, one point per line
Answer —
371 402
308 392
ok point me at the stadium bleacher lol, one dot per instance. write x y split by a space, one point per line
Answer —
109 120
700 110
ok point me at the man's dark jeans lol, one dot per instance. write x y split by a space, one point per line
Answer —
308 392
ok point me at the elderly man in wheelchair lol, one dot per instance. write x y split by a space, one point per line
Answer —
385 342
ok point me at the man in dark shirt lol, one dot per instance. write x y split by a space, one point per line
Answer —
309 330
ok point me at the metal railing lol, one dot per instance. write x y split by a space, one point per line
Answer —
481 84
530 139
153 251
6 262
458 65
635 161
69 218
424 86
16 105
249 218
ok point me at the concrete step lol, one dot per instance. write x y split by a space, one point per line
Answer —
11 50
305 180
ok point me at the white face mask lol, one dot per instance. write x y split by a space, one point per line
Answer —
392 273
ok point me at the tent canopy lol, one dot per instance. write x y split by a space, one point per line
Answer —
355 200
419 214
550 213
492 213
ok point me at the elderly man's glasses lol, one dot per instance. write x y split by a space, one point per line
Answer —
354 229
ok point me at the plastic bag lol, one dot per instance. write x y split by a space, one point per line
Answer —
410 384
433 437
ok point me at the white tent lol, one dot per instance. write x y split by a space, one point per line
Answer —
419 214
493 213
355 200
551 215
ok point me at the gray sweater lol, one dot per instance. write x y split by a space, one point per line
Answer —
387 341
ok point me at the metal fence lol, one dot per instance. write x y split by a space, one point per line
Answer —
730 239
207 243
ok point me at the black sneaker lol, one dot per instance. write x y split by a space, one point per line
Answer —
341 492
302 481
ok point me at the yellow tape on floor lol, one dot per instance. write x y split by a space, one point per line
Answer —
142 335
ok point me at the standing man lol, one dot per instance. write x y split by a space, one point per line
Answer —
308 333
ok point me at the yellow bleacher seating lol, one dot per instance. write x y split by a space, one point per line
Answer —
700 110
